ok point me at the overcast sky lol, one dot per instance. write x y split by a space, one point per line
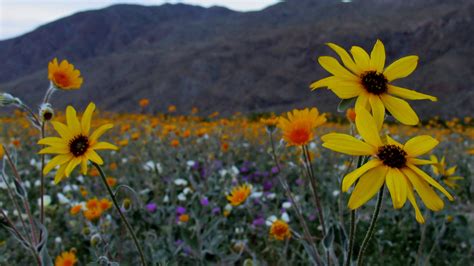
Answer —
21 16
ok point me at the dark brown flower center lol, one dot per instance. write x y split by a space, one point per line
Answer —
392 156
79 145
374 82
47 116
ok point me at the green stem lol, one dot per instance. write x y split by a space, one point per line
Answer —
122 216
370 231
295 204
42 178
351 238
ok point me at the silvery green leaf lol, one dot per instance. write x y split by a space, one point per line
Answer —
345 104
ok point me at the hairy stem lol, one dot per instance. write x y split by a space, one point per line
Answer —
122 216
370 231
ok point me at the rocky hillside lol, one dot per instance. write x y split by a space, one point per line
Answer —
221 60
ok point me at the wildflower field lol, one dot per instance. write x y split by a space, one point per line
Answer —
372 184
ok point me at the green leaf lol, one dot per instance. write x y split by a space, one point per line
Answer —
345 104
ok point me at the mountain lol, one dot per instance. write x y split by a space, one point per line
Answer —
220 60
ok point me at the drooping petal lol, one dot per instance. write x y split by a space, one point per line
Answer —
98 132
362 101
401 68
367 187
400 109
347 144
431 200
86 119
346 58
57 160
84 167
94 157
430 180
397 185
378 110
324 82
72 121
411 197
332 66
367 128
72 164
60 174
409 94
354 175
420 145
377 57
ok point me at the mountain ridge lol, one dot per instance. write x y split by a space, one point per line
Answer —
222 60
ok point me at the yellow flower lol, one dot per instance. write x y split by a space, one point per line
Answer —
392 163
75 145
447 175
63 75
67 258
280 230
366 78
239 194
298 127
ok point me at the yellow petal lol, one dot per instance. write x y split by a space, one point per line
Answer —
430 180
451 171
397 185
367 128
401 68
332 66
93 156
347 144
362 101
346 89
62 130
377 57
52 141
378 110
393 142
54 150
420 145
361 58
72 164
354 175
409 94
400 110
368 185
419 161
411 198
325 82
346 58
57 160
72 121
428 196
100 131
104 146
84 167
60 174
86 119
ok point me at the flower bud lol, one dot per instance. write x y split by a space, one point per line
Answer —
7 99
95 240
127 204
46 112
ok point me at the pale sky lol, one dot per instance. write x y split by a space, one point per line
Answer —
21 16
